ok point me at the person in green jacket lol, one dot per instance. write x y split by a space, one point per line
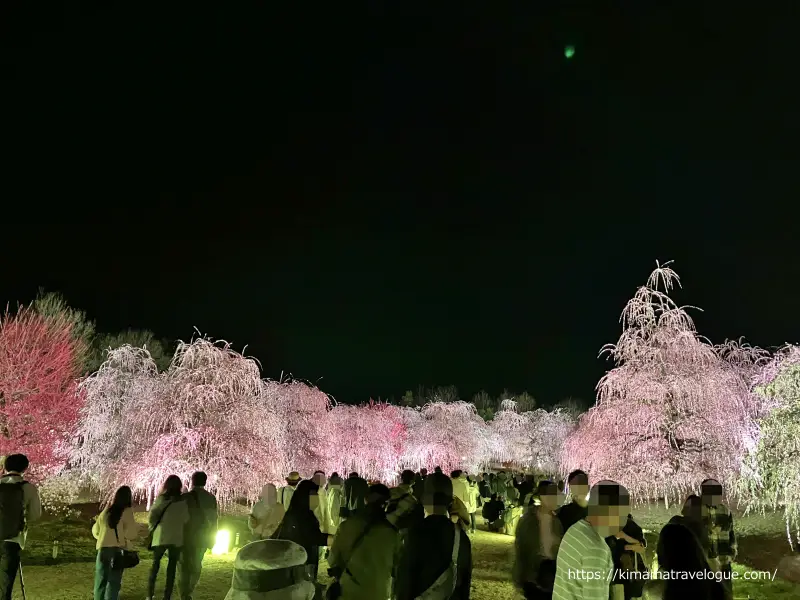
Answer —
363 550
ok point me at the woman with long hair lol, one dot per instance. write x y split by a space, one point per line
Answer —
679 552
301 526
115 532
168 516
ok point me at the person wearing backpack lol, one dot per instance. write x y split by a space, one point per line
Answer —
115 531
363 551
436 560
199 533
19 506
404 510
167 520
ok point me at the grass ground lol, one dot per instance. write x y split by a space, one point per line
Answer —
70 577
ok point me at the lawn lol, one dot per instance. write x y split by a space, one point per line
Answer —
70 576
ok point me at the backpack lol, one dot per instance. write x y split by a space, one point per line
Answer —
445 584
12 510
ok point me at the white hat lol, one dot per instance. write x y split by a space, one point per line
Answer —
270 570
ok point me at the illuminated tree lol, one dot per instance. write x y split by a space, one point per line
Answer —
128 377
368 439
675 410
302 412
771 477
530 440
208 412
39 403
448 434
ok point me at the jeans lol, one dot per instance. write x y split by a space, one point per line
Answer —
191 566
107 581
174 554
9 565
472 522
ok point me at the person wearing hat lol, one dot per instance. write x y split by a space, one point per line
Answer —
271 570
286 492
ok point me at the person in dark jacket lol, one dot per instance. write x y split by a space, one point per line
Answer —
691 517
627 552
493 513
199 533
356 490
577 509
301 526
428 552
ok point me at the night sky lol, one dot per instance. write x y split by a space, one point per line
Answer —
374 197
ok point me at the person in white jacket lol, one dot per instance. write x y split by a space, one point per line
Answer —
334 493
321 509
115 531
167 520
267 513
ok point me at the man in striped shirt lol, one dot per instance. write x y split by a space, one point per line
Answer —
584 567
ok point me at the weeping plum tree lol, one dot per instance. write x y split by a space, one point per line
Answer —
771 473
39 403
447 434
103 446
302 411
367 439
675 409
208 412
531 439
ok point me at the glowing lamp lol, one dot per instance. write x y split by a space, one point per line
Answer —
222 543
569 51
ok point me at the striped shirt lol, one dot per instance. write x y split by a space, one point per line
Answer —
584 565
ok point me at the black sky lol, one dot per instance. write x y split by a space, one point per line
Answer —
381 195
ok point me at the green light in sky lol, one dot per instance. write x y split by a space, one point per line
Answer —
569 51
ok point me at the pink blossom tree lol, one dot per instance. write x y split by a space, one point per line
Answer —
369 440
531 440
302 411
208 412
104 447
447 434
39 403
771 474
675 409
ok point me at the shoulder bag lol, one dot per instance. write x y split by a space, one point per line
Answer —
124 559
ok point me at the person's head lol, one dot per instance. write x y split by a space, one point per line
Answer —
548 495
578 486
530 478
609 504
334 479
269 494
493 498
353 475
378 496
423 472
199 479
172 487
302 497
679 550
438 494
437 470
293 479
16 463
319 478
407 477
692 507
123 498
711 492
455 474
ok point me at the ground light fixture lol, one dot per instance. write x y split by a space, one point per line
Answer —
222 543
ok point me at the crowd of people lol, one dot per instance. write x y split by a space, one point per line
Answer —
409 542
